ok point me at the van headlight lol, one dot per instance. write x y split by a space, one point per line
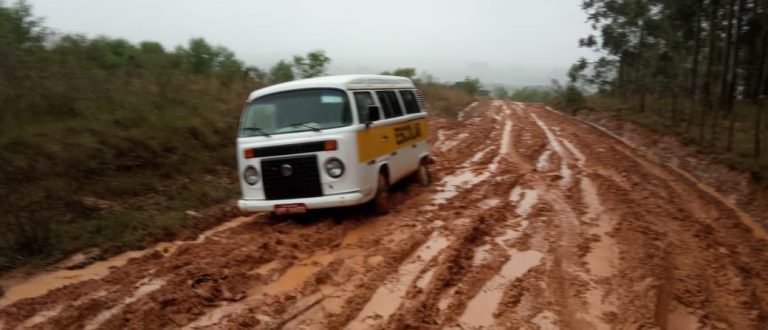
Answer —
251 175
334 167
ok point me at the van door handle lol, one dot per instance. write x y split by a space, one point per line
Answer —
385 138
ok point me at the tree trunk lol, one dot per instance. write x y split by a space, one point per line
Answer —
728 56
732 70
707 85
696 50
639 75
758 147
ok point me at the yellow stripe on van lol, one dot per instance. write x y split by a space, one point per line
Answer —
378 141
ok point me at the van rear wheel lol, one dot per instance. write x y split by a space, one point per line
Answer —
381 200
422 174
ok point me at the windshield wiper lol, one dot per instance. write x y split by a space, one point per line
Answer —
257 130
305 124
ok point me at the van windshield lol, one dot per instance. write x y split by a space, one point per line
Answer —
296 111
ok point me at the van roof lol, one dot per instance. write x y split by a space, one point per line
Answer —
352 81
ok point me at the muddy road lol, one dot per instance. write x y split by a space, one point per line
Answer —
534 220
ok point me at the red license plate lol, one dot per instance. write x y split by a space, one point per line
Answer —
283 209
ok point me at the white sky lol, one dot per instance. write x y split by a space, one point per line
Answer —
500 41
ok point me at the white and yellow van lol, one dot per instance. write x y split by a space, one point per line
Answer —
329 142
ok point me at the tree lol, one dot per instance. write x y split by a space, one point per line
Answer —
314 64
256 74
200 56
501 93
409 73
281 72
469 85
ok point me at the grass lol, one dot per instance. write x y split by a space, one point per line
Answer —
151 158
446 100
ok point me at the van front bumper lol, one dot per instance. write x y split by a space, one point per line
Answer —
260 205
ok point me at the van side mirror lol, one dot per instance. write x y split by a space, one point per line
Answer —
373 115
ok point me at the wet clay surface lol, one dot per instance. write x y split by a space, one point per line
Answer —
533 220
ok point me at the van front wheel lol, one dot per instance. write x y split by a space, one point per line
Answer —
381 201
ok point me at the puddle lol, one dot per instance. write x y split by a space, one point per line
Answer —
41 317
680 319
298 274
479 311
291 279
542 164
526 199
145 287
580 158
446 298
506 137
602 255
424 280
266 268
546 320
355 234
597 308
448 145
388 296
489 203
462 112
554 143
41 284
47 314
452 183
482 255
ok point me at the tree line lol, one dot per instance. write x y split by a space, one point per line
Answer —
700 65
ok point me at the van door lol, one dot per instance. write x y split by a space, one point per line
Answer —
413 136
393 118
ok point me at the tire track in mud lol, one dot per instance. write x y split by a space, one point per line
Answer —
534 221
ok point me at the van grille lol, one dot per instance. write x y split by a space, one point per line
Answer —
303 181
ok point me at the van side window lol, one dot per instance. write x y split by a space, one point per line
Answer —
411 104
363 101
389 104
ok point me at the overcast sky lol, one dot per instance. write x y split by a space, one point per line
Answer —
500 41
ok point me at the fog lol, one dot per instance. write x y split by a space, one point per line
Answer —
511 42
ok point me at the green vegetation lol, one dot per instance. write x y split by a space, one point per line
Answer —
107 143
533 94
696 68
470 85
313 65
409 73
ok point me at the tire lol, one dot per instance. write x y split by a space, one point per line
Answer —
422 174
380 202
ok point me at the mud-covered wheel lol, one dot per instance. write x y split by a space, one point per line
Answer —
381 201
422 174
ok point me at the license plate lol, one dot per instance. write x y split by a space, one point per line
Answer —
283 209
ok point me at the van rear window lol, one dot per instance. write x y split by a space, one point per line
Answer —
411 104
389 104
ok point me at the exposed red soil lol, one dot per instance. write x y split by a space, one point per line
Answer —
535 220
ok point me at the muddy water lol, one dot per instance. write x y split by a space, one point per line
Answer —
298 274
479 312
525 199
45 282
144 288
388 297
40 284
